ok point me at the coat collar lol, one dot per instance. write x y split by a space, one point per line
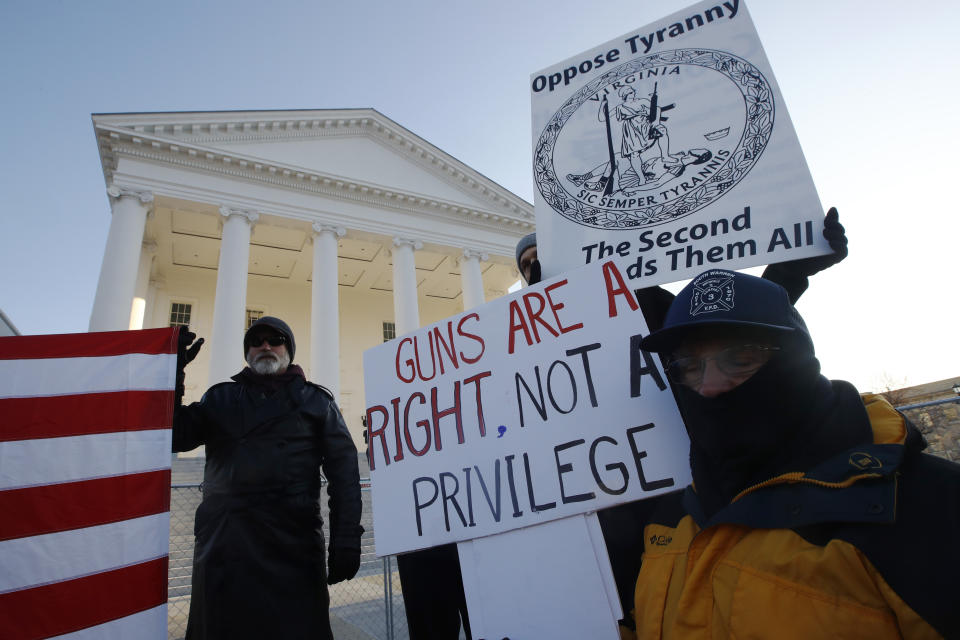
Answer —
856 485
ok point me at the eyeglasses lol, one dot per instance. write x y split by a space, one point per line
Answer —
738 361
273 341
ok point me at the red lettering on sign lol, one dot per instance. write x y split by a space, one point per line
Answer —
447 348
408 362
535 304
429 353
423 424
556 306
433 359
467 334
424 421
535 315
476 379
517 322
611 273
373 433
438 414
396 430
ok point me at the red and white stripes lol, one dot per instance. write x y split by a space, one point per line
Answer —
85 484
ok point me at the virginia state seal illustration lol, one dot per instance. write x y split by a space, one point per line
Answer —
654 139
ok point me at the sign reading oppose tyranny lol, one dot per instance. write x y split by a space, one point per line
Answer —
670 150
533 407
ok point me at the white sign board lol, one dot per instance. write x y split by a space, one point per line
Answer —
533 407
517 588
669 149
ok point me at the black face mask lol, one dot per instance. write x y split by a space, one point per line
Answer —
535 276
755 419
756 430
786 417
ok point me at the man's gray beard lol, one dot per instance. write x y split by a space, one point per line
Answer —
268 363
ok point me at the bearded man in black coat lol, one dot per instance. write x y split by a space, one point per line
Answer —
259 569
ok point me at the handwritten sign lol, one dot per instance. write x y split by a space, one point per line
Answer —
670 150
533 407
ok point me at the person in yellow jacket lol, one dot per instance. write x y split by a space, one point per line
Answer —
813 512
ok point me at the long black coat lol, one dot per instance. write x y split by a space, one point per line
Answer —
259 567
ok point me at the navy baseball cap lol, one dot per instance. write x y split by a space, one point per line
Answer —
726 298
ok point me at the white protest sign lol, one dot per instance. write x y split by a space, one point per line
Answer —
549 581
533 407
670 150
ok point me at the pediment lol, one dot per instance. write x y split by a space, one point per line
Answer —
363 159
358 147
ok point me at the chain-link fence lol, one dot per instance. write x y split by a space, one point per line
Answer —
368 607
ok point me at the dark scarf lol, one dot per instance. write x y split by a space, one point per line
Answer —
535 273
270 383
786 417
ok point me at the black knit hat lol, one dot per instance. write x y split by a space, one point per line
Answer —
277 325
727 298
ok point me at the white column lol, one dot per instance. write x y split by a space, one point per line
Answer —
472 278
139 306
156 294
118 272
229 307
406 312
325 308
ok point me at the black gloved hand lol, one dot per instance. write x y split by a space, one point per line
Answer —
185 352
343 562
185 355
792 275
834 232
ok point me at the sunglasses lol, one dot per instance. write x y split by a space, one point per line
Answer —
273 341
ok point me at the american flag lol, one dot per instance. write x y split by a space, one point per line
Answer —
85 484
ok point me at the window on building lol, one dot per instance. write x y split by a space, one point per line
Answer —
252 316
180 314
389 331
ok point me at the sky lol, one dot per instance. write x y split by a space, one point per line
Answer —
871 87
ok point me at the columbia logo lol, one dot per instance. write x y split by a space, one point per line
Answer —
864 461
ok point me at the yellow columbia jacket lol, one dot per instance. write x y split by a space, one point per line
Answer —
863 546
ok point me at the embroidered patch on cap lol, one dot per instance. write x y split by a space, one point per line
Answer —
712 291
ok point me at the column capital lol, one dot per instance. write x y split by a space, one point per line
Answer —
115 192
251 216
471 254
335 229
416 245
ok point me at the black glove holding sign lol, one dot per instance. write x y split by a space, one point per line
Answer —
185 355
793 275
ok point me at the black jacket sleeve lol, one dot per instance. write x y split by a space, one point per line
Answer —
342 471
190 425
794 275
789 278
654 302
